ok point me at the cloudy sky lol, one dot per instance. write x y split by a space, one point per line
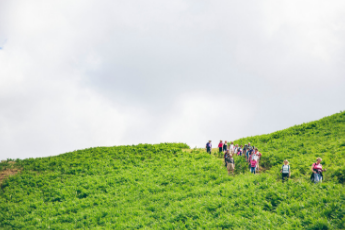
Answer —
81 73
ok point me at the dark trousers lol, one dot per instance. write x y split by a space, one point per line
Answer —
285 177
209 150
220 149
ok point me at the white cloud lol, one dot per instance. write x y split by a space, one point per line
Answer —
76 74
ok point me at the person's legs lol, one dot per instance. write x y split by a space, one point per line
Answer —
285 177
229 168
317 177
232 167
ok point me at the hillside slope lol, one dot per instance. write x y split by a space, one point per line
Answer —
302 144
163 187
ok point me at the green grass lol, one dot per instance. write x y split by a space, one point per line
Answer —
164 187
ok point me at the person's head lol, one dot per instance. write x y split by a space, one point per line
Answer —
209 141
236 145
225 142
318 160
248 143
232 142
220 141
286 162
241 146
256 149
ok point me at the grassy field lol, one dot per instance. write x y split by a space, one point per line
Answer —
165 187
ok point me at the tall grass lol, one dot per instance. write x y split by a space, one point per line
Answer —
164 187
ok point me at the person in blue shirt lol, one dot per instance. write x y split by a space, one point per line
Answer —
209 147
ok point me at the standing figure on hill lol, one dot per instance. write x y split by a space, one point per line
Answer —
258 157
249 154
286 171
239 150
317 170
253 163
225 146
220 146
245 148
231 147
236 149
209 147
230 162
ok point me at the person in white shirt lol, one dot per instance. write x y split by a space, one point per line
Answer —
286 171
232 147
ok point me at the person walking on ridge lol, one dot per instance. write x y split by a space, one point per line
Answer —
220 146
230 162
240 151
225 146
208 147
232 147
253 166
258 157
245 151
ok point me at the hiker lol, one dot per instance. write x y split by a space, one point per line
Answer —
249 154
225 155
230 162
245 151
239 151
258 156
220 146
317 170
231 147
208 147
236 149
253 163
225 146
252 156
286 172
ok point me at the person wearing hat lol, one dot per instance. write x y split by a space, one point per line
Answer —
286 171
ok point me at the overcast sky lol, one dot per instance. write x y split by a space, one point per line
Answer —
76 74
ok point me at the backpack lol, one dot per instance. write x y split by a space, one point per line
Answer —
253 163
283 170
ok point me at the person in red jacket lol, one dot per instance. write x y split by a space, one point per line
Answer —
220 146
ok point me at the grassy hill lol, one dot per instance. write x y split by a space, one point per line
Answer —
165 187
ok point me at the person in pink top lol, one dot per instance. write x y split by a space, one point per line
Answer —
258 156
253 163
317 170
220 146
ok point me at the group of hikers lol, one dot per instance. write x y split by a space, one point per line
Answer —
253 156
